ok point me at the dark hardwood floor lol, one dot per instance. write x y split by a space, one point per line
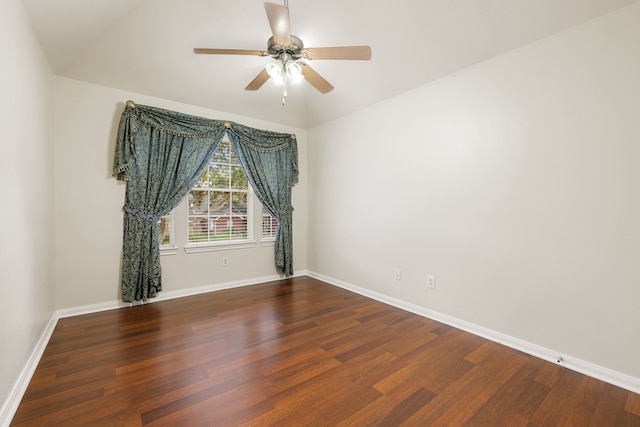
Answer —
299 352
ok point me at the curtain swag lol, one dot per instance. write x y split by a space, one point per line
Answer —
161 154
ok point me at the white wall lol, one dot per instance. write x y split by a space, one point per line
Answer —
515 182
26 193
89 203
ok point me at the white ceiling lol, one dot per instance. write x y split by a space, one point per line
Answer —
145 46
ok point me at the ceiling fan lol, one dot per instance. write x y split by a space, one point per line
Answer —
290 55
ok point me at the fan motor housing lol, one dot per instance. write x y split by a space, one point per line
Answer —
295 49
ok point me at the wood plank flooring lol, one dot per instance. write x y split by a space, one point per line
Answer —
299 352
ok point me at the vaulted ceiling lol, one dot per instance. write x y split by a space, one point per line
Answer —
146 46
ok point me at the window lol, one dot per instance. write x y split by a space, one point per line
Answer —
219 204
269 225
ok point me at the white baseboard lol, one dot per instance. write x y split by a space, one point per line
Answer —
604 374
168 295
10 406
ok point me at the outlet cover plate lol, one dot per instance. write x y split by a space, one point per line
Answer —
431 281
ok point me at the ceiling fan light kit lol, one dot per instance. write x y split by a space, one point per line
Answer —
289 54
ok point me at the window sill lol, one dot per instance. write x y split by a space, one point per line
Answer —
208 247
168 250
268 242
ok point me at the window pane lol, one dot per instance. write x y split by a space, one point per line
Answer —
239 215
198 229
239 203
239 180
222 153
203 181
219 175
164 230
198 202
239 227
219 228
219 203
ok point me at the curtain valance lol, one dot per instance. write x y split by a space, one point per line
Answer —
161 154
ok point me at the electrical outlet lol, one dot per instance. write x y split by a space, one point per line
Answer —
225 261
397 274
431 282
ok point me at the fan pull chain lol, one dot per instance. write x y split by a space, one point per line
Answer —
284 88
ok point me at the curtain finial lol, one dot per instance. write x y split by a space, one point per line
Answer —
293 137
131 104
227 124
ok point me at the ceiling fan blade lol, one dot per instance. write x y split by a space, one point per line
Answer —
199 50
315 79
279 21
258 81
342 52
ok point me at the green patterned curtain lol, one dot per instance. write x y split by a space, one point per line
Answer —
271 163
161 154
